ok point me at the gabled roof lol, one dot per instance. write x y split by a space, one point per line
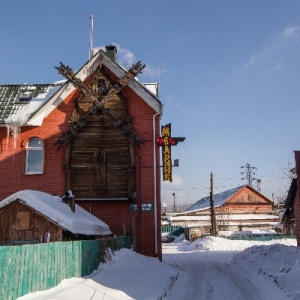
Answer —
51 95
52 207
219 199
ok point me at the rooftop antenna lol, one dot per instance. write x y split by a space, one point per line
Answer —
159 67
91 36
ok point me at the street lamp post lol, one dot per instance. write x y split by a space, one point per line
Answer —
174 208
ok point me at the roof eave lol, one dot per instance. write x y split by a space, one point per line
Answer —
36 119
75 232
135 85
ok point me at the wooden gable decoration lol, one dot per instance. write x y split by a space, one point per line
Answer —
98 94
99 159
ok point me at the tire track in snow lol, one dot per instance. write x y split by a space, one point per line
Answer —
211 277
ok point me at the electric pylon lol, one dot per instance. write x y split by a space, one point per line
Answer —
249 174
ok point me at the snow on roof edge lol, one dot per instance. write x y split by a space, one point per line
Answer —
219 200
36 118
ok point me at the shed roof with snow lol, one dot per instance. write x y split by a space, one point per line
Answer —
52 207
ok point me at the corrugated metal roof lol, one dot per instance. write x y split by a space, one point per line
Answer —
219 199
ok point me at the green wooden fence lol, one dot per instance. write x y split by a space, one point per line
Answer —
172 230
29 268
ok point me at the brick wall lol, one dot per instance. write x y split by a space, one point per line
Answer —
12 175
116 213
297 199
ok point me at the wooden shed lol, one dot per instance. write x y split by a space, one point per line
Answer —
32 216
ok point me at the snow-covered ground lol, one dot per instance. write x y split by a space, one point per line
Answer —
208 268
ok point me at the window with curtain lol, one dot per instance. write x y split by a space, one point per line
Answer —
35 156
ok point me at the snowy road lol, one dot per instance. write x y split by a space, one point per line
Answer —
210 276
210 268
214 280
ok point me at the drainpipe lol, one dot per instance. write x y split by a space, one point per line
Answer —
154 169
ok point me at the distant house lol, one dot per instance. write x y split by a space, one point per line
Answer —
93 132
296 204
239 209
36 216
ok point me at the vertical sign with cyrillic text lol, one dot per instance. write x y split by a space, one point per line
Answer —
166 152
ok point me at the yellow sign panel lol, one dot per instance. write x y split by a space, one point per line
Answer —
166 152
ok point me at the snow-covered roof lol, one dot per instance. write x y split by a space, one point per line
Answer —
219 200
152 87
14 111
47 97
52 207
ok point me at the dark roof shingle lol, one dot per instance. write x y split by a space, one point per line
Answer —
9 94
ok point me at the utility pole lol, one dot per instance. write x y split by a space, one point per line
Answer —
174 206
212 208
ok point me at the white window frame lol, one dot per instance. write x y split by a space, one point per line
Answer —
40 169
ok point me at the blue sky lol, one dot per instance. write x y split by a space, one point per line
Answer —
229 75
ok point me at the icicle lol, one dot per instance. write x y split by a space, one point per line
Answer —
7 136
14 129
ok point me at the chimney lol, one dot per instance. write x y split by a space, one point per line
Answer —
111 52
69 199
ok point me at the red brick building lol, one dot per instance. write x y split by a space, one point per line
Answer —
296 203
96 139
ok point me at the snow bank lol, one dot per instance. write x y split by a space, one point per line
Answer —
129 275
277 263
126 275
211 243
180 238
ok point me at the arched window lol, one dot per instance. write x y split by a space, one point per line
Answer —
34 156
